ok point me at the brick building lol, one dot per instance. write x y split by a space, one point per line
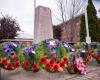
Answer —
70 30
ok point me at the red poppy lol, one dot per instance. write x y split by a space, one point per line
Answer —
26 64
62 64
51 61
56 67
4 61
16 58
65 59
16 64
35 68
91 53
71 67
43 59
98 56
48 65
10 66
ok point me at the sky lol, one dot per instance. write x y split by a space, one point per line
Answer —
23 11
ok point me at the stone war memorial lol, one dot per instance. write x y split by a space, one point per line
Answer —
53 58
43 24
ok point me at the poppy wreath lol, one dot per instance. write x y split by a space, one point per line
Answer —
9 60
97 55
30 62
52 55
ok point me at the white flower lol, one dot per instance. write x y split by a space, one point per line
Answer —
73 49
14 44
52 43
33 52
66 45
83 51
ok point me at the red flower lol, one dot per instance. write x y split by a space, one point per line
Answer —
16 58
55 67
51 61
62 64
35 68
16 64
91 53
65 59
4 61
71 67
26 64
98 56
43 59
48 65
10 66
0 60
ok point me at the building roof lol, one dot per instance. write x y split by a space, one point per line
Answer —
24 36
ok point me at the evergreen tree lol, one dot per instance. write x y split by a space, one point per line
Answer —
93 23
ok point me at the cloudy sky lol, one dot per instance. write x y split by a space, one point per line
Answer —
22 11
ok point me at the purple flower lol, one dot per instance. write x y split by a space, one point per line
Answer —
52 43
72 57
71 49
28 51
5 46
81 54
47 41
94 45
35 46
11 46
98 52
8 48
85 45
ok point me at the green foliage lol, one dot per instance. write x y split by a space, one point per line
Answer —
21 56
62 50
40 50
82 29
93 24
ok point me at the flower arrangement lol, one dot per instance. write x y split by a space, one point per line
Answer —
51 55
9 60
30 63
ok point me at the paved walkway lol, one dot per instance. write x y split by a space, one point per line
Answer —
92 74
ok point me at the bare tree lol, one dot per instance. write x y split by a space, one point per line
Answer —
67 10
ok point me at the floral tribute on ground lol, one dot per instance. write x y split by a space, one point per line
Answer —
30 62
51 55
9 59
